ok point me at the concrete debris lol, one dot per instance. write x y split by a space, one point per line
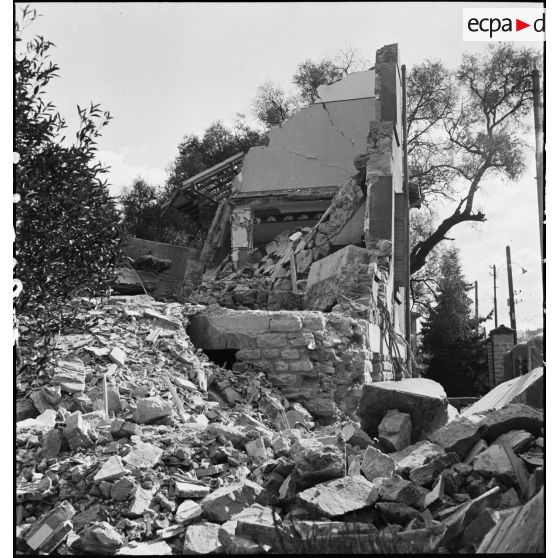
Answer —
376 464
462 434
250 471
415 456
395 430
340 496
424 400
202 538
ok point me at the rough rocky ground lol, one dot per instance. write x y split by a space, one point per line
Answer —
135 443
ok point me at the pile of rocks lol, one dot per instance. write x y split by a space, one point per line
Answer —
135 443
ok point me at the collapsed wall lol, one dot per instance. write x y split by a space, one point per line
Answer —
319 304
321 360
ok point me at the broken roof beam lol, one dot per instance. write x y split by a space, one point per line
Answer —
197 186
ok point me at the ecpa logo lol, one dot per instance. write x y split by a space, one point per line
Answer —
503 24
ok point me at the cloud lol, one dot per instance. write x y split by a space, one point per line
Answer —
122 172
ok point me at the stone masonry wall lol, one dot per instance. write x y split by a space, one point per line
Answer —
315 358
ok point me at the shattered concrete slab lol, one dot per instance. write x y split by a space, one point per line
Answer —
424 400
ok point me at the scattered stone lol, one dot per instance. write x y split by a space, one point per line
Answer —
143 456
462 434
52 442
202 538
240 544
141 500
376 464
69 375
415 456
256 449
118 356
396 489
112 469
354 435
510 499
281 446
191 489
397 512
394 432
478 448
188 511
77 431
425 475
316 461
122 489
152 548
518 440
51 528
229 500
339 496
99 538
424 400
150 409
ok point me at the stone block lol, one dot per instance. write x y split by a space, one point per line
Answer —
424 400
305 340
316 461
415 456
289 353
249 354
271 353
376 464
143 456
225 502
111 470
190 489
301 366
150 409
70 375
340 496
77 431
395 430
271 340
285 322
187 512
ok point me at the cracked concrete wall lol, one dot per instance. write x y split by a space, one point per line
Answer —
317 146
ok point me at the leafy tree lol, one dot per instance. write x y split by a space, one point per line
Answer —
310 75
67 223
465 127
217 144
272 106
454 351
142 205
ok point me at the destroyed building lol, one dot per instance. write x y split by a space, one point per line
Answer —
305 266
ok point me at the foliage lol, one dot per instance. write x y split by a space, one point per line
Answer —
272 106
66 222
465 127
310 75
218 142
454 351
142 205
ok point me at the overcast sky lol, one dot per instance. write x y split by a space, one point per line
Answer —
165 70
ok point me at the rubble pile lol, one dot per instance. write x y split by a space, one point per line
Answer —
135 443
278 279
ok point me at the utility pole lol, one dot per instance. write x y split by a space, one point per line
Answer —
495 300
406 235
477 306
539 154
511 295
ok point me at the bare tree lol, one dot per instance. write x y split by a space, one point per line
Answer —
272 106
464 127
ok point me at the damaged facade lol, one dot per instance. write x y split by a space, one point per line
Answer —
304 266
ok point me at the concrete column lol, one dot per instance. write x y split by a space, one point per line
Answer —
242 237
502 342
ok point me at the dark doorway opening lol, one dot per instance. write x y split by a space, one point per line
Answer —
222 357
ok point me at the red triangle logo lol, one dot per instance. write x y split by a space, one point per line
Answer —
519 25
